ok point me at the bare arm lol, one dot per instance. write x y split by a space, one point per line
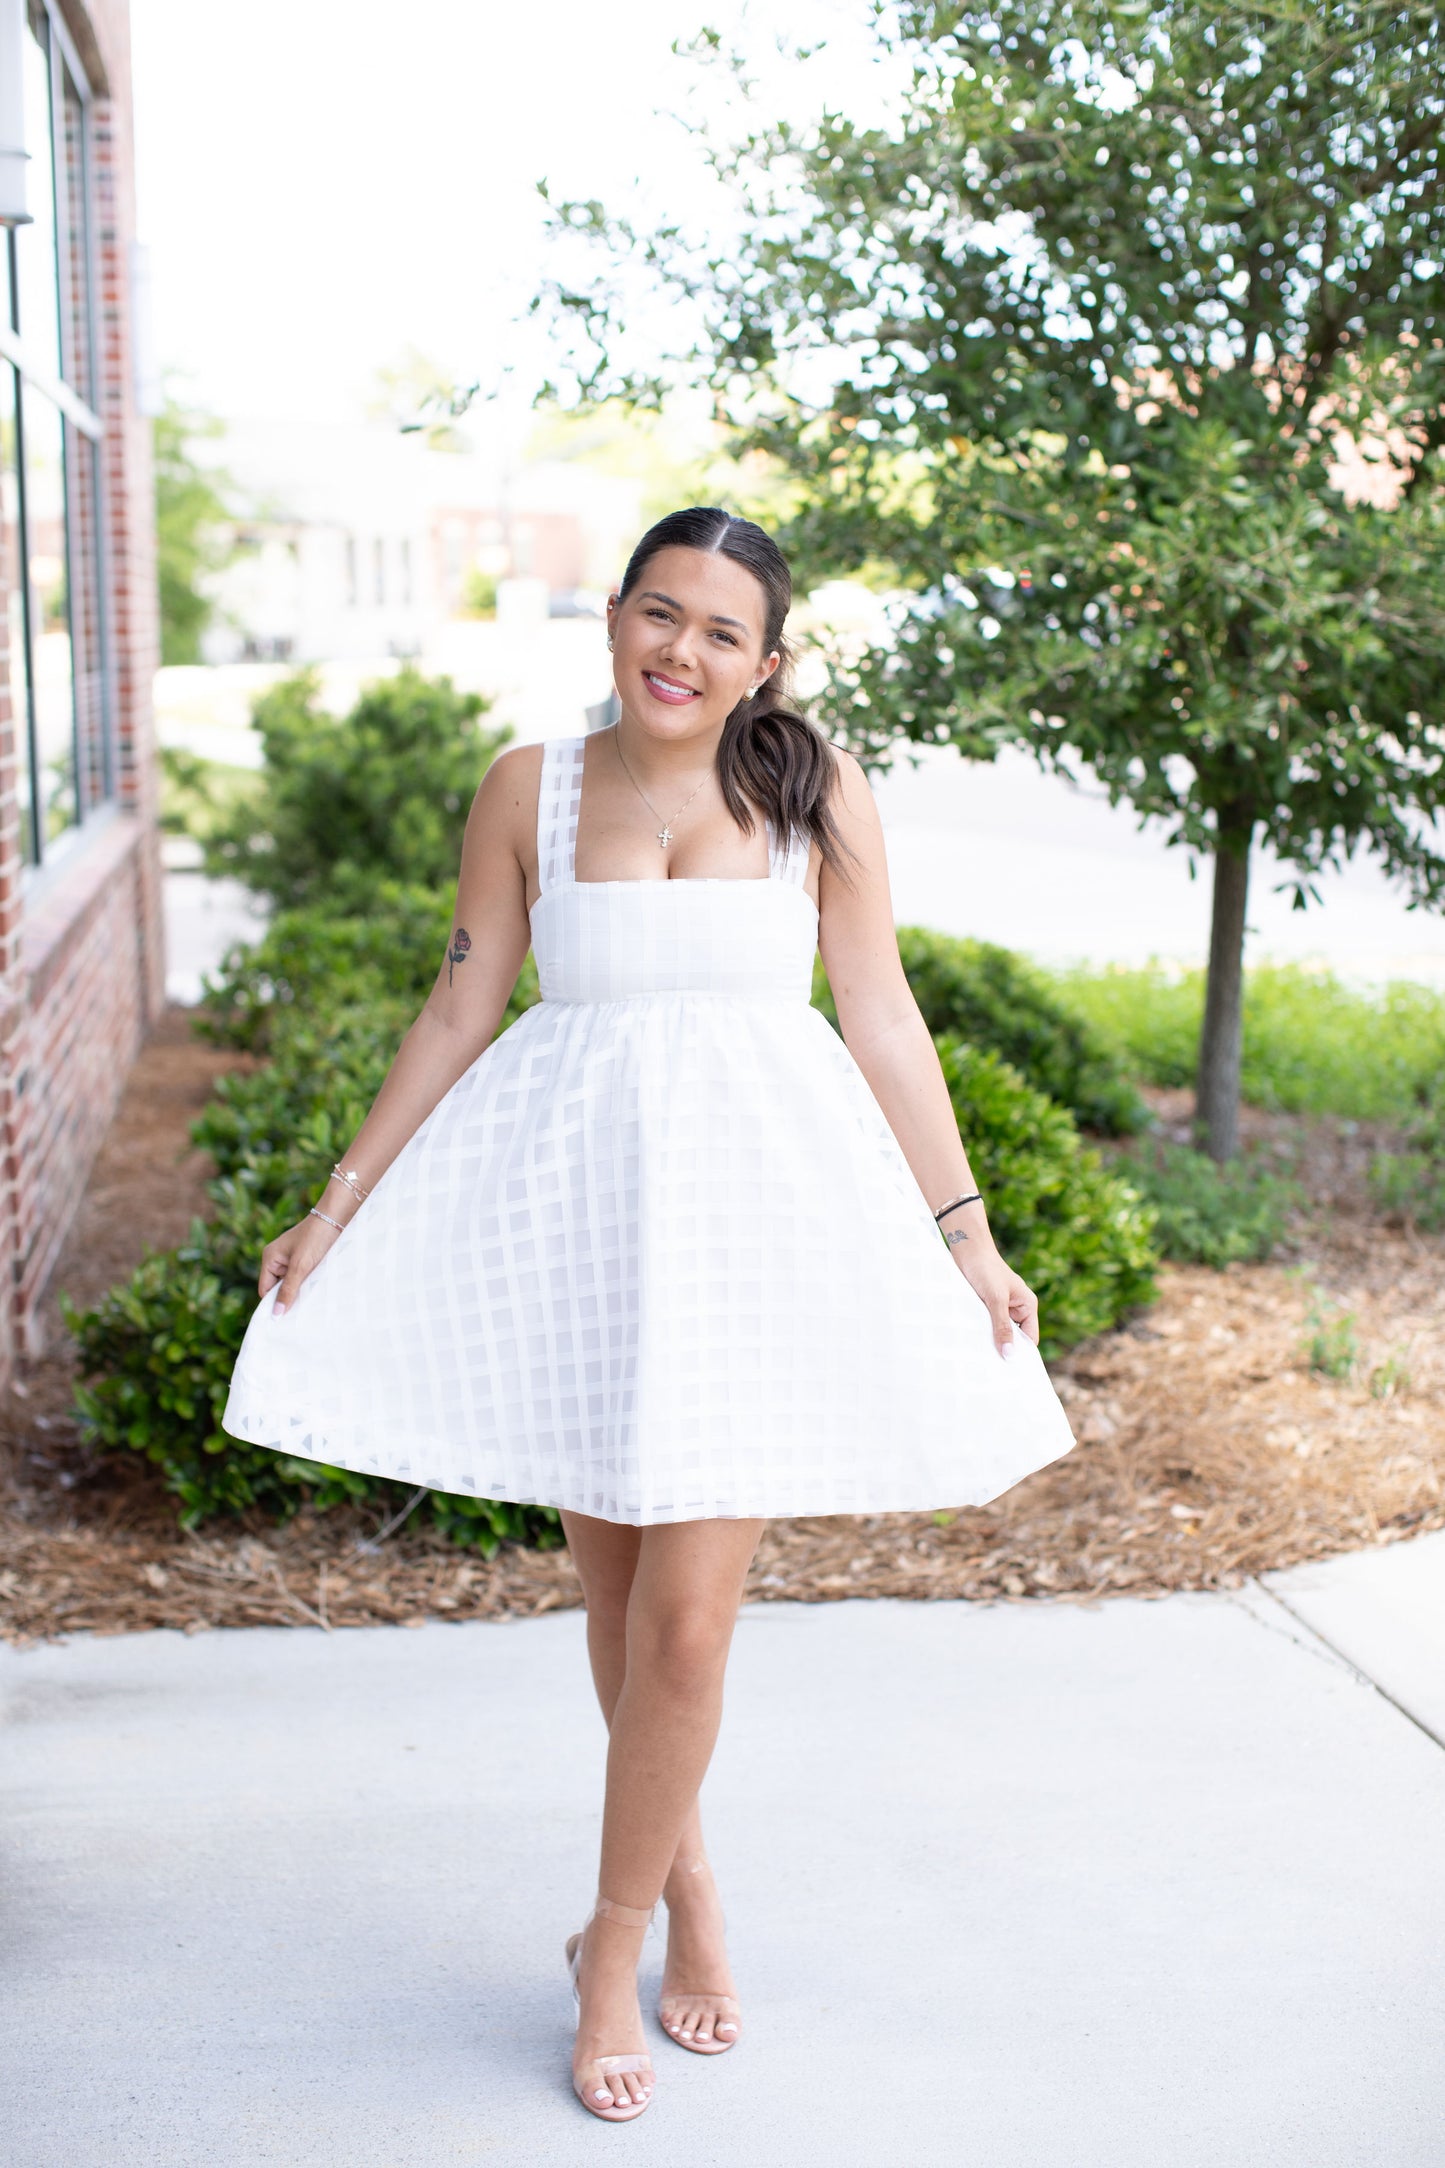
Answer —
890 1042
489 938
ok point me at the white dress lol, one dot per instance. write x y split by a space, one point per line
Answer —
657 1255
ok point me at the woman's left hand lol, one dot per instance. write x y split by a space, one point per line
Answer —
1008 1299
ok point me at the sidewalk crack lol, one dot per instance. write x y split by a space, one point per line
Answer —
1324 1650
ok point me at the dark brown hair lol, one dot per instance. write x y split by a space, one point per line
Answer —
769 757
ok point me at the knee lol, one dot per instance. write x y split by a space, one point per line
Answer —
607 1616
682 1653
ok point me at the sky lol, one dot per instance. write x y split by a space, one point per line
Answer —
324 185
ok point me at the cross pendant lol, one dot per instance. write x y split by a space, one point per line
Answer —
664 837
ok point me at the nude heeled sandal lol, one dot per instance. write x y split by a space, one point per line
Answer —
585 2082
727 2012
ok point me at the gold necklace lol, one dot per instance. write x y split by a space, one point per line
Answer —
665 832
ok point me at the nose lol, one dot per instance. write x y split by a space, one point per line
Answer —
678 648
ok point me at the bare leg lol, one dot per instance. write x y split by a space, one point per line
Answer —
605 1555
662 1603
697 1981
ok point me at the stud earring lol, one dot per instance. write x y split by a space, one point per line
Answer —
609 643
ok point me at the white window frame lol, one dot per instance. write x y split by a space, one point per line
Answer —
33 378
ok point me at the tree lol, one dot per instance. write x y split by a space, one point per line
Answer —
191 522
1094 319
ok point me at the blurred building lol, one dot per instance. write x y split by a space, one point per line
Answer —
81 965
359 541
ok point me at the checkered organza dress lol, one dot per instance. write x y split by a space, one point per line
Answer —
657 1255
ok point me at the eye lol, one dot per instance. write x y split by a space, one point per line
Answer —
721 635
665 616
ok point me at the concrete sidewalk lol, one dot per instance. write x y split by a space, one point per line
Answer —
1029 1886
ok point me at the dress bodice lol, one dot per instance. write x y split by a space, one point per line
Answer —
625 940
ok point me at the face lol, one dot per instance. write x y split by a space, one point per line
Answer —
688 643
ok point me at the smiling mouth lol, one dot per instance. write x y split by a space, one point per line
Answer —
668 688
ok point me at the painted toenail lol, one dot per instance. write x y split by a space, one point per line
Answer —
601 2095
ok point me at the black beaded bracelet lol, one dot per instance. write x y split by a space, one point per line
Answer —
944 1209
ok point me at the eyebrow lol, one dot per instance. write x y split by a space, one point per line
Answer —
651 594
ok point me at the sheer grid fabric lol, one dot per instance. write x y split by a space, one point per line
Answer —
657 1255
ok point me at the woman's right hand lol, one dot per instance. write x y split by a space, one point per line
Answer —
292 1258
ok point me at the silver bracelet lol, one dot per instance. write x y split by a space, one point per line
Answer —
974 1196
317 1213
352 1181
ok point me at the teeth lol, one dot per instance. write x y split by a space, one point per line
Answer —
671 685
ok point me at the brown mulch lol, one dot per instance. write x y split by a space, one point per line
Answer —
1208 1449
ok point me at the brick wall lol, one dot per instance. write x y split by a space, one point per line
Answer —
9 951
82 965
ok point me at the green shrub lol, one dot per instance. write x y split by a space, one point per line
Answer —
160 1349
1410 1186
1148 1017
381 792
479 594
1409 1183
286 1124
1207 1214
993 998
315 957
196 793
318 960
1079 1234
1312 1045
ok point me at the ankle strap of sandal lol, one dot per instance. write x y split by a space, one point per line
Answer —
625 1915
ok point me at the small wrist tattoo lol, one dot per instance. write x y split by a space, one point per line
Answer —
457 953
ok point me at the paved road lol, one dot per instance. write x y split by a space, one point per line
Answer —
1027 1886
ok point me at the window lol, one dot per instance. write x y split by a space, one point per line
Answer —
50 473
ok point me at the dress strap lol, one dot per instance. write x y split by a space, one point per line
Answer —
789 865
559 800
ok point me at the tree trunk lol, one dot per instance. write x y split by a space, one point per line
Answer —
1216 1102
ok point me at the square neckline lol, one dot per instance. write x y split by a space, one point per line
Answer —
568 818
682 880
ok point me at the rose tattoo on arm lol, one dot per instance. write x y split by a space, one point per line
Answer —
457 953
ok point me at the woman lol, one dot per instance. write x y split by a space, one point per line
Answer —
668 1255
